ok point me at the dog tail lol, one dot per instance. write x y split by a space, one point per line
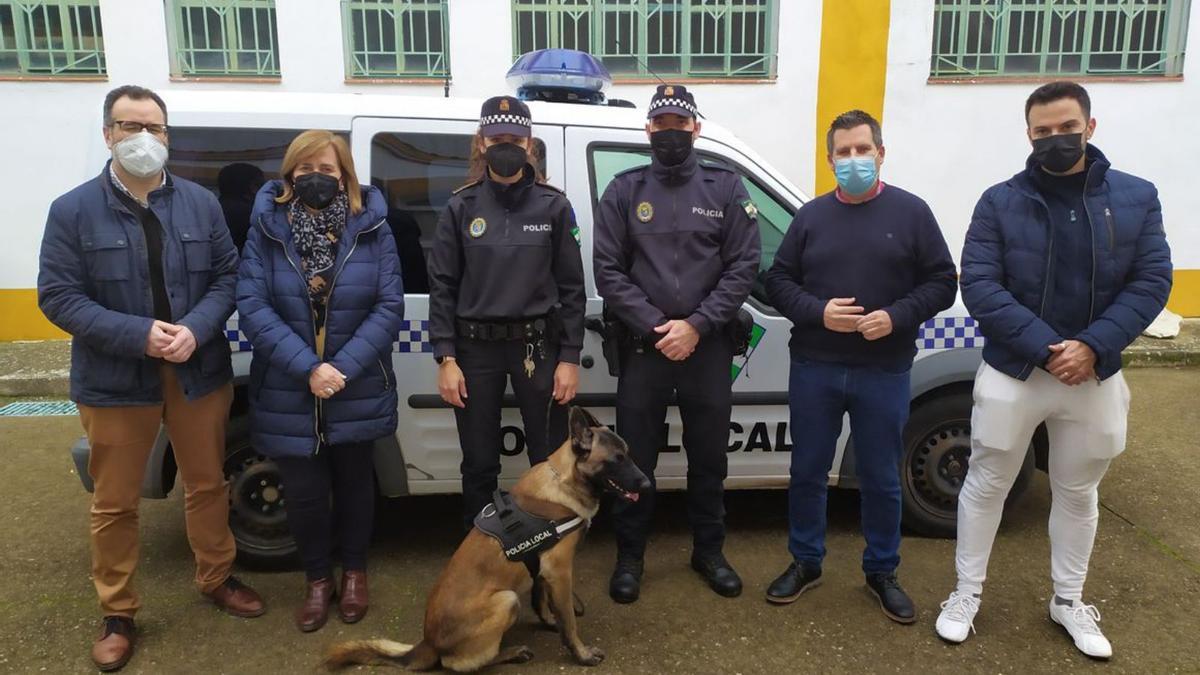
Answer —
381 652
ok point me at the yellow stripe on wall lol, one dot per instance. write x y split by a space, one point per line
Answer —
853 70
1185 293
21 319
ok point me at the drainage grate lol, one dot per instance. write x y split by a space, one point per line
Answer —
38 409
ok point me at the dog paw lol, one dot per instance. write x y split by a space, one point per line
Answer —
590 656
522 655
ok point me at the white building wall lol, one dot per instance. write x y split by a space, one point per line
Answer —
950 142
49 123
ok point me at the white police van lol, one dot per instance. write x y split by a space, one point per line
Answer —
416 151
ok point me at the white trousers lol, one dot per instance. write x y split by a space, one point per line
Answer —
1086 425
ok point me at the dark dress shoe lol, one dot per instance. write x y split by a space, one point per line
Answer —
796 579
894 602
719 574
352 603
315 610
114 648
626 582
237 599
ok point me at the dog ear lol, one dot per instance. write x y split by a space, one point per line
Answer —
581 423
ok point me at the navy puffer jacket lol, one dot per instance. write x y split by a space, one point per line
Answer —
366 306
1008 268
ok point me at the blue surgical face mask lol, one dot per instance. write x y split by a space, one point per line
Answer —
856 175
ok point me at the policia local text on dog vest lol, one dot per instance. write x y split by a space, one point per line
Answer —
522 535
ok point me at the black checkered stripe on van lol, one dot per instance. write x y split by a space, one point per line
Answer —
676 102
506 119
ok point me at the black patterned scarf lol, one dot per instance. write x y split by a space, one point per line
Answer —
315 236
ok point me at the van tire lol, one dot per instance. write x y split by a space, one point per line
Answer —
257 514
937 449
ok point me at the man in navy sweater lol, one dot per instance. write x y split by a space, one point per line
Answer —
859 271
1064 265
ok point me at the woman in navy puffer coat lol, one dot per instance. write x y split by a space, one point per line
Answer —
320 298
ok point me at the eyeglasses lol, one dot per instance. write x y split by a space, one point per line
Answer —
137 127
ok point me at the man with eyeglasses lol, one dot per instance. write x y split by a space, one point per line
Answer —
138 266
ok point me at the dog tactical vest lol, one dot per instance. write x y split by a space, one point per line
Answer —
522 535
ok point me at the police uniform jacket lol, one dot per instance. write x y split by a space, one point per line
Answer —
676 243
504 253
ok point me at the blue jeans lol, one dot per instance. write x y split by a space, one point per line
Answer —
820 394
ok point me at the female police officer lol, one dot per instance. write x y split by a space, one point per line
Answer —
506 300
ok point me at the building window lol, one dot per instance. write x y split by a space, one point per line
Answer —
223 38
51 37
395 38
1032 38
644 38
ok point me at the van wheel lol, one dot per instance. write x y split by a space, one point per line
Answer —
257 514
937 451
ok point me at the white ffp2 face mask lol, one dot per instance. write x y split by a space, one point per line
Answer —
142 154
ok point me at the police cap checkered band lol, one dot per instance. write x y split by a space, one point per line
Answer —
672 98
505 115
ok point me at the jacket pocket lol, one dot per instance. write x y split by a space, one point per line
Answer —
106 255
387 382
197 252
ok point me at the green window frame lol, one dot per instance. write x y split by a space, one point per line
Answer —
396 38
51 38
643 38
1049 38
223 38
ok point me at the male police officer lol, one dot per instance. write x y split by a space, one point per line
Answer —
676 253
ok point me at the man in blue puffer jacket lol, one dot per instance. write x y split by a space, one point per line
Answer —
1064 265
138 266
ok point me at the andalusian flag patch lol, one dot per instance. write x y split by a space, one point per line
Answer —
575 233
751 209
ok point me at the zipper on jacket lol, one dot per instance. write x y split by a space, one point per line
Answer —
1112 230
675 249
312 322
383 371
1092 230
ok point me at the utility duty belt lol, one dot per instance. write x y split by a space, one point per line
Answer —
618 337
528 329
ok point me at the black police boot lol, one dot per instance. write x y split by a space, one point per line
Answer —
626 582
719 574
894 602
796 579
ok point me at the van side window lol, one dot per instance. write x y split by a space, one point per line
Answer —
774 215
232 163
417 173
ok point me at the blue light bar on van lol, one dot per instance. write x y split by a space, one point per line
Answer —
564 75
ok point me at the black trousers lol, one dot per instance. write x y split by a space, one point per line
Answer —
702 386
341 474
488 366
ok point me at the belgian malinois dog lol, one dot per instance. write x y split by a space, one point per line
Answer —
476 599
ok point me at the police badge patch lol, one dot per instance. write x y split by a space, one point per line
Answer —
751 209
645 211
477 228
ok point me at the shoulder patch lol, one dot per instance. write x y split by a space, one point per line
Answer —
464 187
750 208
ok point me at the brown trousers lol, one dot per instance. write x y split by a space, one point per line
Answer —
121 439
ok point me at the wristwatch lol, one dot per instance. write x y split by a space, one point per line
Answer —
442 359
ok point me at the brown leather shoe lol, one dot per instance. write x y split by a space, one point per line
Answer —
352 605
237 599
315 610
115 646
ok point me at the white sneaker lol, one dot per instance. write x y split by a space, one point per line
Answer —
957 619
1080 621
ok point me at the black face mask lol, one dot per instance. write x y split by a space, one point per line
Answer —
671 147
505 159
316 190
1058 153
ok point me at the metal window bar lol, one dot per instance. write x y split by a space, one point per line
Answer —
996 38
396 38
236 38
694 38
51 38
